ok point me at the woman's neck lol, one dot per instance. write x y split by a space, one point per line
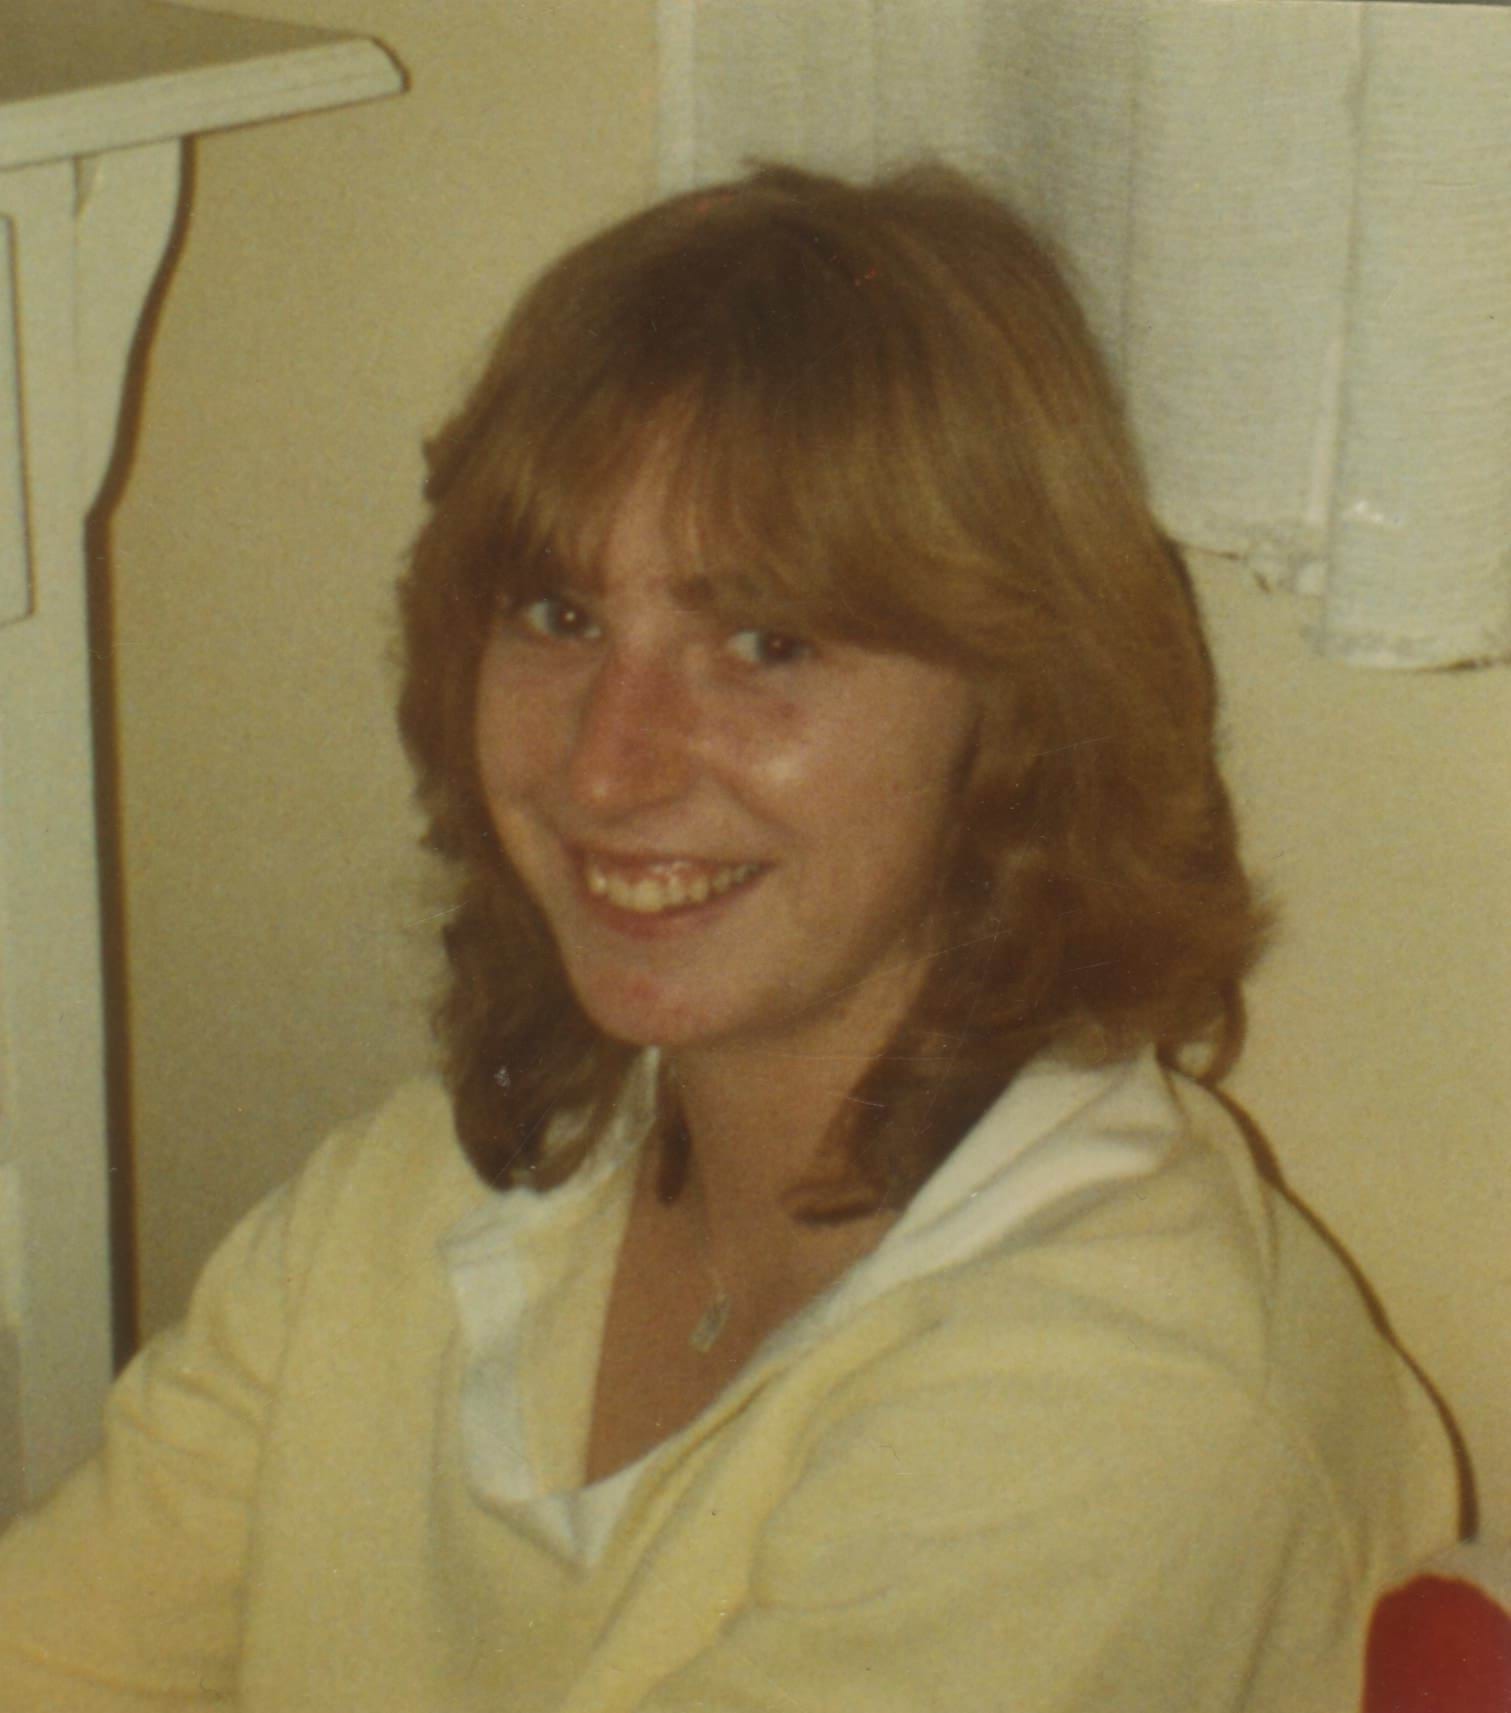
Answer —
757 1116
755 1124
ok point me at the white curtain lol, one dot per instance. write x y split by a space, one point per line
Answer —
1290 221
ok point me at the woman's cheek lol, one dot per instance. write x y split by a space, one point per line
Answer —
524 721
780 746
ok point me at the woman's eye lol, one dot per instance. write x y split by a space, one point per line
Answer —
557 618
768 648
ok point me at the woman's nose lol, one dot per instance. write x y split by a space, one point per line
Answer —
634 741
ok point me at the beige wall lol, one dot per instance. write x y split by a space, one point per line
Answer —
339 278
1378 809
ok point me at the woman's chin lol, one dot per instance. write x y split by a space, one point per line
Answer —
648 1013
640 1017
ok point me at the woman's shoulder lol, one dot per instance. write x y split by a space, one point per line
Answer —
410 1134
382 1188
1127 1206
1124 1261
1122 1188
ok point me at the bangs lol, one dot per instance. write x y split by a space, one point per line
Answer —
753 516
780 391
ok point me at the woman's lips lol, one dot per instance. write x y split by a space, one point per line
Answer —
651 886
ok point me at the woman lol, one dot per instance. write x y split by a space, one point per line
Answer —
849 1304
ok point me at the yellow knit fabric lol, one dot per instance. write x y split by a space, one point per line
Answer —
1144 1454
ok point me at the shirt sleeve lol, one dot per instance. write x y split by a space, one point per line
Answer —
123 1592
1096 1529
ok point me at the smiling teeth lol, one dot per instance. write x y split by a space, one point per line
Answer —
649 895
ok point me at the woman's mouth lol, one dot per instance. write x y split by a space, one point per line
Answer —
652 886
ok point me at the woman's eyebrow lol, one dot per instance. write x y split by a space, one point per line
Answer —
567 576
694 590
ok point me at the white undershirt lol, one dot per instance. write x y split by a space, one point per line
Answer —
1041 1146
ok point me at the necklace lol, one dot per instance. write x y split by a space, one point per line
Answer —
710 1325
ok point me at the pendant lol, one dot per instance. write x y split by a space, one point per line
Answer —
711 1323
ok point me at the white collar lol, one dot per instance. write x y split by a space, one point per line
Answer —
1058 1136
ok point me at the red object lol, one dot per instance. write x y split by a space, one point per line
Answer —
1438 1645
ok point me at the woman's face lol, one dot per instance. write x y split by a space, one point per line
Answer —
735 837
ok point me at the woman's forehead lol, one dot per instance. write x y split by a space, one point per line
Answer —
717 532
695 591
654 527
729 596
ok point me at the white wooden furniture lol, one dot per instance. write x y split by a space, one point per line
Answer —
96 99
